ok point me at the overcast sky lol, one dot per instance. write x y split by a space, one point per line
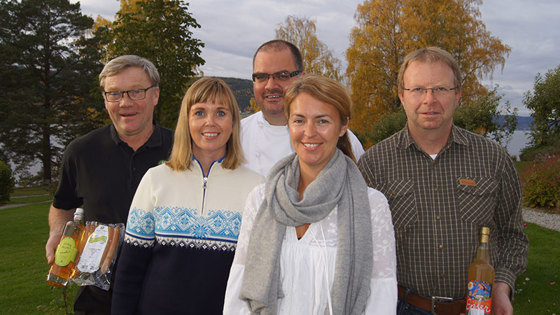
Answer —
232 30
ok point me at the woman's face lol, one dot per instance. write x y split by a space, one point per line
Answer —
315 127
210 126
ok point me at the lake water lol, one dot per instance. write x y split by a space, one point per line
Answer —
518 141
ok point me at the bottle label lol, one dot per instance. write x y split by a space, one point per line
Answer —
65 251
479 298
93 251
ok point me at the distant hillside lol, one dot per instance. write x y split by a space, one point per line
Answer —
523 122
243 91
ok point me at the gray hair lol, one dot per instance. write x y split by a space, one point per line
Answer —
121 63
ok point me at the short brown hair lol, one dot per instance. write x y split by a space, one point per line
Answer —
204 90
430 54
279 45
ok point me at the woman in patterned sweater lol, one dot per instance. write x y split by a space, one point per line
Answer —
184 220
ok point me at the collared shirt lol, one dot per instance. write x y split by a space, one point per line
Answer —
101 172
265 144
440 205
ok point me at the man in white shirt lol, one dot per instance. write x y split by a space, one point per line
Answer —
265 138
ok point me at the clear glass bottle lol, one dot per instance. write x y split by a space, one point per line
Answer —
66 253
481 279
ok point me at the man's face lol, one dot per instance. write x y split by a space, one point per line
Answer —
270 94
427 112
131 117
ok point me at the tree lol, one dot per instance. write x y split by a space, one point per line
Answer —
389 29
48 69
544 101
482 117
159 30
317 58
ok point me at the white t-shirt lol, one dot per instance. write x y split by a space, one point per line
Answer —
264 144
307 265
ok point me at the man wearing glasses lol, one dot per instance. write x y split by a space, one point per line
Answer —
102 169
264 135
443 185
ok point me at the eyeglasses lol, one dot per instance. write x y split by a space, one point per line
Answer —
135 95
280 76
436 91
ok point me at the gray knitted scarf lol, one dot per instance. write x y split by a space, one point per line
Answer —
339 183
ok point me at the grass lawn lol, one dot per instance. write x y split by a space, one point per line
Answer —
23 268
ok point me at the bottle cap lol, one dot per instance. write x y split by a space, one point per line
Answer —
79 213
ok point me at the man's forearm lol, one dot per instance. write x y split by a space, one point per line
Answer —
58 218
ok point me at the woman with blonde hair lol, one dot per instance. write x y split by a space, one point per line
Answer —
315 239
185 217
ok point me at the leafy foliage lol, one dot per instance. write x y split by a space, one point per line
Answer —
317 58
481 117
48 69
544 102
389 29
386 126
6 182
159 30
541 183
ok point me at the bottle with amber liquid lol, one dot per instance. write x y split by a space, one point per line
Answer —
67 251
481 279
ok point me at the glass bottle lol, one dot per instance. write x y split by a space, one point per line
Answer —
66 253
481 279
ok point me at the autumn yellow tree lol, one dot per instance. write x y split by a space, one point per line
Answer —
317 57
389 29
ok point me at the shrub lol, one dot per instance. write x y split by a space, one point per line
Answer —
541 183
6 182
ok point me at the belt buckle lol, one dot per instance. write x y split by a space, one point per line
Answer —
443 299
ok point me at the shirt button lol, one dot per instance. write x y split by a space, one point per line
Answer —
435 188
438 217
441 246
442 275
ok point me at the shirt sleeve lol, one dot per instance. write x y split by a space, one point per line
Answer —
384 278
512 243
232 303
136 250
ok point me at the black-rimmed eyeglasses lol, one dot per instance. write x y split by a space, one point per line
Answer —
135 95
280 76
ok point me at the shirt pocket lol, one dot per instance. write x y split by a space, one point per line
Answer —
402 202
477 199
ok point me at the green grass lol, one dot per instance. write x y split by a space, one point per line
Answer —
29 191
538 288
29 199
23 268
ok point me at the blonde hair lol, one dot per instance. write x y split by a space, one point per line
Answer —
205 90
328 91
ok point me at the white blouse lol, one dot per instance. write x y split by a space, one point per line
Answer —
307 265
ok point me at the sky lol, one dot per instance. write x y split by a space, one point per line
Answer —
233 29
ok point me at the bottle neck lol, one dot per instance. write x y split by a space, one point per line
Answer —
483 252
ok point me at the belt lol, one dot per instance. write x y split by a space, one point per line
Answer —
436 304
